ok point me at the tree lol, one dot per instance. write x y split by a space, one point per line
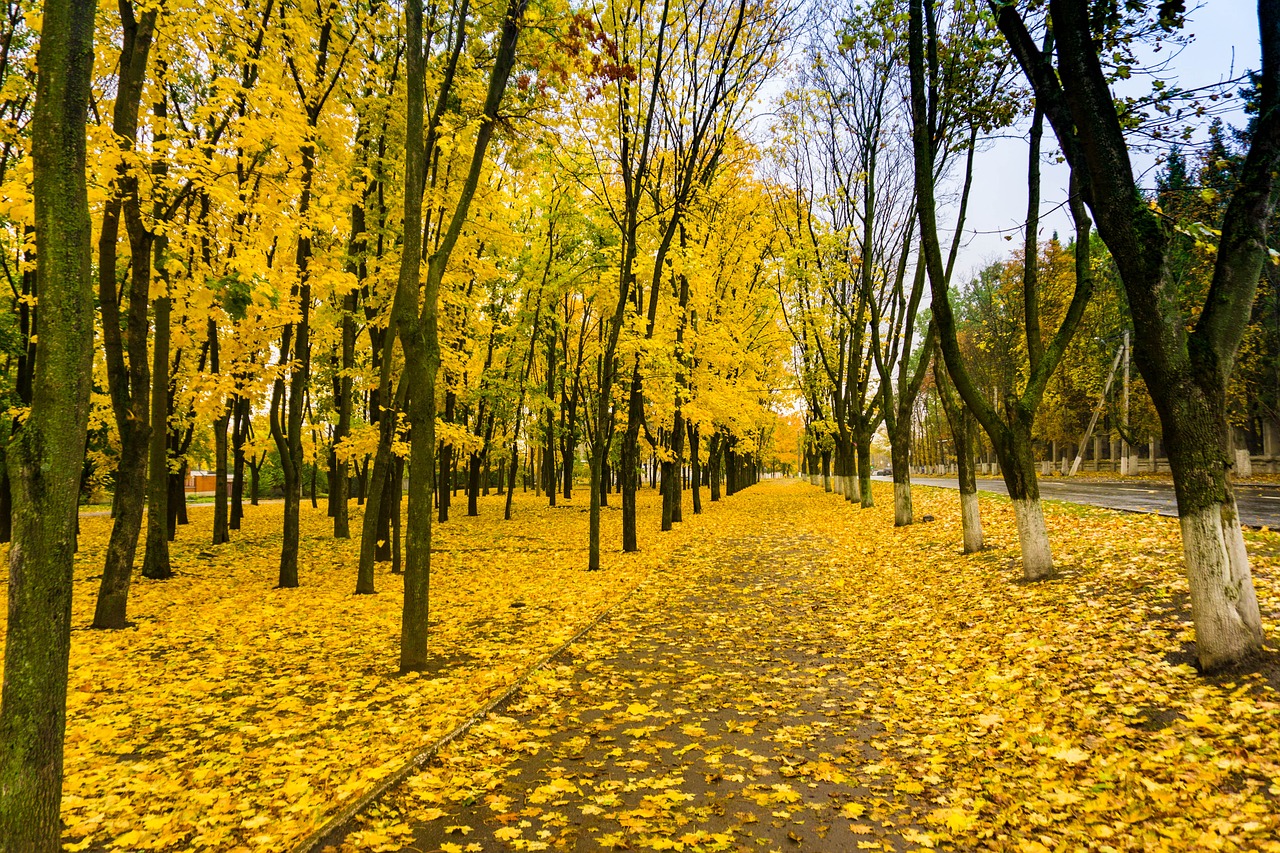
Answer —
46 454
129 383
416 320
635 44
824 305
314 86
1010 432
1186 360
963 429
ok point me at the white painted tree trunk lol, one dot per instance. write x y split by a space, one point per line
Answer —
854 490
826 482
1033 538
1223 604
902 515
837 484
971 523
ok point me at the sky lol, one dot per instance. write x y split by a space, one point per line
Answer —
1225 37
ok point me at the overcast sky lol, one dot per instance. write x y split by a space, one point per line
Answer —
1225 36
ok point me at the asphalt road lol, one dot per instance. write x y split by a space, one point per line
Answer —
1259 505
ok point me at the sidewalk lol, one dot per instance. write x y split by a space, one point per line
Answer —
811 678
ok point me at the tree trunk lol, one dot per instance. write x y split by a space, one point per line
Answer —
46 456
850 474
315 475
667 482
373 513
444 491
129 384
221 530
713 466
677 447
155 563
549 479
375 531
288 434
178 499
397 499
131 477
1018 465
900 454
239 429
629 461
6 501
568 450
288 574
1224 606
695 465
962 431
595 485
835 469
474 464
339 474
419 334
418 338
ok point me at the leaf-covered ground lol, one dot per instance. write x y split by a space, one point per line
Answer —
236 716
803 676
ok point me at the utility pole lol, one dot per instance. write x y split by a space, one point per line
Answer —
1097 411
1124 417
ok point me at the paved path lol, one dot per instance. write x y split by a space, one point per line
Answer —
720 708
1259 505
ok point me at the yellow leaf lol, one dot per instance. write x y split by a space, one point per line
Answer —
1072 755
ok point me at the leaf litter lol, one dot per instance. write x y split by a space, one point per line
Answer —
803 675
237 717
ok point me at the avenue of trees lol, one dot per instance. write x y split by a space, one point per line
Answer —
378 255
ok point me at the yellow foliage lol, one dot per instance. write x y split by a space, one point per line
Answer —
232 709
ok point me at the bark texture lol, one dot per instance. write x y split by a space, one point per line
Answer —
46 455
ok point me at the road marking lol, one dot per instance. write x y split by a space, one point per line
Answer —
1268 497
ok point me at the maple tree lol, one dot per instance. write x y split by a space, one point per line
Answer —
44 457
